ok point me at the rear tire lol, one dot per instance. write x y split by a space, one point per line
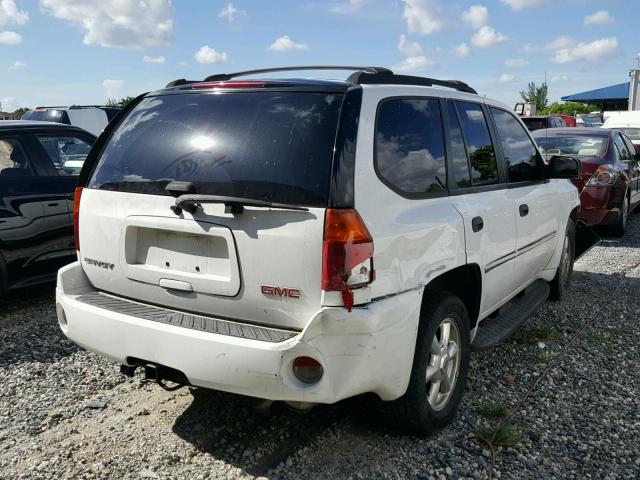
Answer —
562 281
440 365
619 228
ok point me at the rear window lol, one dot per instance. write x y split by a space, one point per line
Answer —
574 145
535 123
58 116
271 146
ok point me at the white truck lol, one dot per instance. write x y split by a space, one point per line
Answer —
312 240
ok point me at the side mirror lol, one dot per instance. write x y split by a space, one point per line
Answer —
561 166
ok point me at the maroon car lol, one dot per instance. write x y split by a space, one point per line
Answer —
610 172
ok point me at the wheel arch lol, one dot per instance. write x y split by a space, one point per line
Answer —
465 282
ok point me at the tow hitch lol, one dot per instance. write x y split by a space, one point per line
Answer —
157 373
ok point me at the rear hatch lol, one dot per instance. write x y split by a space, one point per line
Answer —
261 266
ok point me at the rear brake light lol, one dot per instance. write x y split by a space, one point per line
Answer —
76 216
245 84
347 254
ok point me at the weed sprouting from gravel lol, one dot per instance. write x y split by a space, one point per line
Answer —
544 333
605 339
504 436
493 411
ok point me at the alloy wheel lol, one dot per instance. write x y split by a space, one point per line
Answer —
444 364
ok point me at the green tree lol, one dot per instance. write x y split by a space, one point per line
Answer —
536 95
568 108
123 102
17 114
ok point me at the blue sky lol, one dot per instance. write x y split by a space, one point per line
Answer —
60 52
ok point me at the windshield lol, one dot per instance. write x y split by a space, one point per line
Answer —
271 146
574 145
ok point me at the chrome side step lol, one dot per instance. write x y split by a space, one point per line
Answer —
185 320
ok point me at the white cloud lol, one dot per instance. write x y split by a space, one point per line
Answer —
522 4
348 8
507 78
18 65
559 42
409 49
559 78
9 13
424 16
462 50
601 49
113 87
476 16
8 104
516 62
414 64
229 12
207 55
10 38
148 59
601 17
285 44
487 37
117 23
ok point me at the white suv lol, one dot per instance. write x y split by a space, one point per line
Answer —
312 240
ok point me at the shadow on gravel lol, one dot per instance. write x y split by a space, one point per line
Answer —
252 436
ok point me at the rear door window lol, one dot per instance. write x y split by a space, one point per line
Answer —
66 153
271 146
482 157
409 146
13 159
521 157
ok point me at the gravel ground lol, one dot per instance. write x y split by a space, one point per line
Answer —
68 414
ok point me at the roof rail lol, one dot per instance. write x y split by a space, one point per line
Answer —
228 76
77 106
366 78
361 75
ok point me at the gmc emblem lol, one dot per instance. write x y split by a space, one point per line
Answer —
282 292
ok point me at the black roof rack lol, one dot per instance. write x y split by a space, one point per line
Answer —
228 76
366 78
361 76
77 106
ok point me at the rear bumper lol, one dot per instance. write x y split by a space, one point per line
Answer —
601 205
368 350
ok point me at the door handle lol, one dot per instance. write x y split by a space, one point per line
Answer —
476 224
52 204
524 210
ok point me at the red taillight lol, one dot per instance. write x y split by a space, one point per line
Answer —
245 84
347 253
76 216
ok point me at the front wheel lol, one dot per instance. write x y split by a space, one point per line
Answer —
562 281
439 372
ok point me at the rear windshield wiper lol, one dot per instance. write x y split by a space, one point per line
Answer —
235 205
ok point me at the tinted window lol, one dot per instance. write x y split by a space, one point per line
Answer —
623 150
13 160
534 123
410 145
458 153
66 153
520 154
58 116
484 170
272 146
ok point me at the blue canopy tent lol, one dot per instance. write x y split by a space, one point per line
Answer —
614 97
